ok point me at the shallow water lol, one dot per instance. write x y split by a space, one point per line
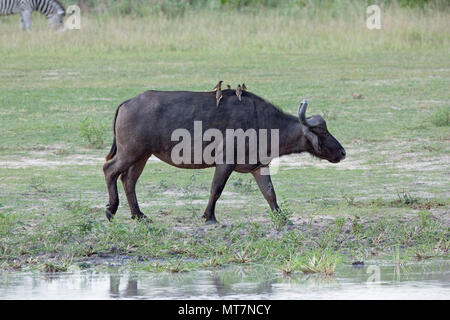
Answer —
423 280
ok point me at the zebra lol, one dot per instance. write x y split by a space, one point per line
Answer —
51 9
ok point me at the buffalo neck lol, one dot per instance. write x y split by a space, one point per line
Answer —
290 135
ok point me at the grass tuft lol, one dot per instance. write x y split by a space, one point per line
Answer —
40 185
92 133
318 261
281 217
322 262
441 117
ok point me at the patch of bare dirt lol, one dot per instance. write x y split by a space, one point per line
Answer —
295 161
41 162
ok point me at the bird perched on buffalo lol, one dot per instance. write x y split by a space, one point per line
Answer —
228 87
218 85
239 92
218 90
244 88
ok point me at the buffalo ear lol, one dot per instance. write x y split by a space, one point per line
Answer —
313 139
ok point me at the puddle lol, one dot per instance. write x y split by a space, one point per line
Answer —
423 280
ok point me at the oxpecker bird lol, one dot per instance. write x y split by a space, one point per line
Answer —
218 86
218 96
244 88
218 89
239 92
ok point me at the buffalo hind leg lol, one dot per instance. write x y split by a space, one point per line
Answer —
266 187
129 179
221 175
112 169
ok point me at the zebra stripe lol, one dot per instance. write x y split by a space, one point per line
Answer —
51 9
8 6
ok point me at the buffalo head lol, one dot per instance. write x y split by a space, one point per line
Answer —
322 144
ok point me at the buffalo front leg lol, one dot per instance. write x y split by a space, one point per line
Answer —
129 179
221 175
266 187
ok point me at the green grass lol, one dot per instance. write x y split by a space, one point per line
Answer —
391 193
92 133
281 217
441 117
315 261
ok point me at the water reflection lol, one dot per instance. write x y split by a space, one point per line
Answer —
424 280
130 291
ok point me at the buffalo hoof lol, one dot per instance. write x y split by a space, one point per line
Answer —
109 215
141 217
211 221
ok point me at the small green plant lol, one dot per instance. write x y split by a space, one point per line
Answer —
57 266
350 200
378 202
189 192
92 132
15 265
426 252
243 186
424 217
40 185
213 263
177 266
81 217
339 223
441 117
280 217
255 231
7 221
288 267
322 261
241 257
356 226
406 199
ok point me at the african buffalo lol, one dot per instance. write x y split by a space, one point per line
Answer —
145 126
